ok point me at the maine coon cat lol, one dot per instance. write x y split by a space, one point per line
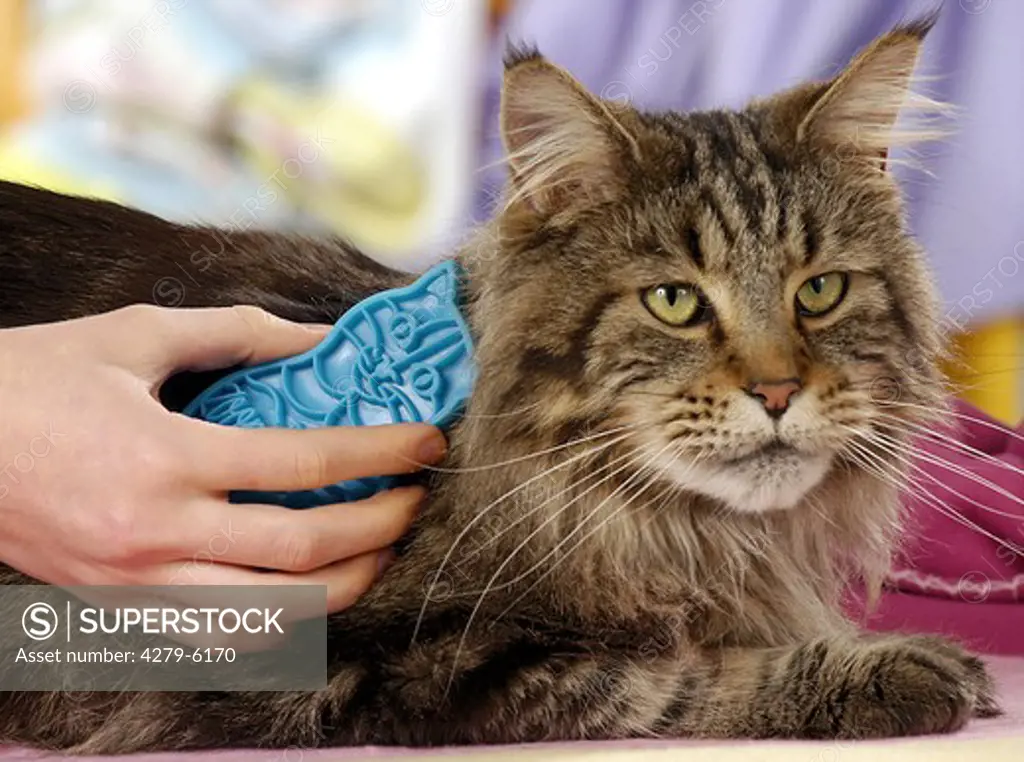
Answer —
662 483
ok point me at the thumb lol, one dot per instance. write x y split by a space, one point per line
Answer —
211 338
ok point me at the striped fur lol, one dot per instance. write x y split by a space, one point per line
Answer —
606 554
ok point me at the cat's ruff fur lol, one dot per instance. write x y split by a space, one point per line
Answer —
669 583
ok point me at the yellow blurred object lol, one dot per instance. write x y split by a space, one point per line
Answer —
16 167
357 176
989 369
12 38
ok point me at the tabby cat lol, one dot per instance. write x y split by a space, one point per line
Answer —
655 501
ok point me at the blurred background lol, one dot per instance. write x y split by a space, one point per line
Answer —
376 119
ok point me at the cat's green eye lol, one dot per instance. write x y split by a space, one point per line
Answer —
677 304
821 294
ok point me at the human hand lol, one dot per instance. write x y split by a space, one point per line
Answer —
101 485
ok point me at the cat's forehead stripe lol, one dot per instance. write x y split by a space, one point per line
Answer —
733 163
741 183
710 200
812 237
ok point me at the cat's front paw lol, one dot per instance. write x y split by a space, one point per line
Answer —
911 686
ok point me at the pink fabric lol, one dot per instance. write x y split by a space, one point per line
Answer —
992 628
961 567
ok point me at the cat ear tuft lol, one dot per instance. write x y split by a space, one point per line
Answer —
861 106
516 54
566 148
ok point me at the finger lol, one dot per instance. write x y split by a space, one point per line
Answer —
208 338
345 582
270 537
278 459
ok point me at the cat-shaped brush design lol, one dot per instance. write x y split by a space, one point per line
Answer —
403 355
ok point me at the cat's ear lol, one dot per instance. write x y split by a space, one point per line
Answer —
858 109
565 147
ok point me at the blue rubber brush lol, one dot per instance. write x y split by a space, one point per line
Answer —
404 355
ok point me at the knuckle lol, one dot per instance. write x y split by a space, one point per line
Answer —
159 461
311 467
297 552
119 533
246 312
253 317
141 313
248 318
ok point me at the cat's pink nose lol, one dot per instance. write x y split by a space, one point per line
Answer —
775 395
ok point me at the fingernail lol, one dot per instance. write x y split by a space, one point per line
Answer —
384 559
320 330
433 449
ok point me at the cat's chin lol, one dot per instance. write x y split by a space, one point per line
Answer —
773 479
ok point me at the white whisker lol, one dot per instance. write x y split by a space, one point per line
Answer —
896 445
615 514
536 454
962 416
552 498
914 489
479 517
515 552
572 533
952 443
910 484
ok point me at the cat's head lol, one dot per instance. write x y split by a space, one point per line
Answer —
738 287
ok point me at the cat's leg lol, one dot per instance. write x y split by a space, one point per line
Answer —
843 688
875 687
523 690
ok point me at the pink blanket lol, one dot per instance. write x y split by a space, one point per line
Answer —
961 567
